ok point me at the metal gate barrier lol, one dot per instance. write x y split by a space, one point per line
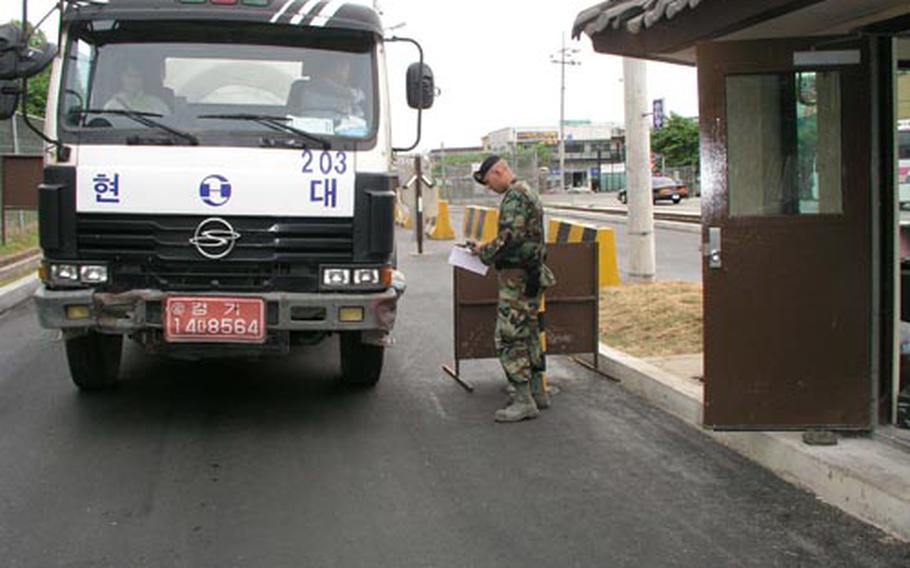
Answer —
572 307
20 176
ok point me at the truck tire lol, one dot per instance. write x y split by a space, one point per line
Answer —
94 360
361 364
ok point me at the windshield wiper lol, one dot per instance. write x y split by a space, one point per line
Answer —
276 123
145 119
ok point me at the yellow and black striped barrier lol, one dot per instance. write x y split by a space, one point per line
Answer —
440 227
480 223
542 327
562 231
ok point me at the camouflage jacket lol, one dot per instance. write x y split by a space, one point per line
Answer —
520 241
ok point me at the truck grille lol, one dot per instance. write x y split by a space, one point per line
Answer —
271 253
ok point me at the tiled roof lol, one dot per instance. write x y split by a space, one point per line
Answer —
630 16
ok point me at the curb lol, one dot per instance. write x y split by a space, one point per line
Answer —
679 397
19 257
862 476
19 291
20 266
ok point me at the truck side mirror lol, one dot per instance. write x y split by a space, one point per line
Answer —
18 62
421 86
9 98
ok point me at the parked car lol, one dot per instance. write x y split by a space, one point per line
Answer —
663 189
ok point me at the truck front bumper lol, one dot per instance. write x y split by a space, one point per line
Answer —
139 310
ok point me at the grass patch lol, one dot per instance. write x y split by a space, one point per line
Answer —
653 320
17 242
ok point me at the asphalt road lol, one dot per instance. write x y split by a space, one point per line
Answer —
273 464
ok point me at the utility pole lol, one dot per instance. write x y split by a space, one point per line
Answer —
562 58
642 262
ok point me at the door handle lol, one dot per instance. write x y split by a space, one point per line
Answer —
714 249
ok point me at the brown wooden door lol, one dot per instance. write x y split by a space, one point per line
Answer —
787 212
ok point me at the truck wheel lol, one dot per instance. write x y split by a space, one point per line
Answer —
676 199
361 364
94 360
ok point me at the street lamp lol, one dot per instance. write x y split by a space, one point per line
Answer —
565 56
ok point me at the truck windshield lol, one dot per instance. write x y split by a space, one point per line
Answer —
317 84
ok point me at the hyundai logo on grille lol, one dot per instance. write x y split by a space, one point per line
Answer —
215 190
214 238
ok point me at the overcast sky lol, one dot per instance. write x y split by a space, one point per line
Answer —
492 62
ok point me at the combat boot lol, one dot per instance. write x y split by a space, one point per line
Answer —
522 406
542 399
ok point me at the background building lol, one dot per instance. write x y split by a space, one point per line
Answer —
594 152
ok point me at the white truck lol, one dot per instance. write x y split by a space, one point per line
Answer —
218 180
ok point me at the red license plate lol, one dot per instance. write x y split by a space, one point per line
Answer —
214 320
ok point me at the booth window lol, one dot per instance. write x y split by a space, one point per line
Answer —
784 144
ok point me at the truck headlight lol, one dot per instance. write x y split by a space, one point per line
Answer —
93 274
356 277
336 277
66 273
366 277
75 274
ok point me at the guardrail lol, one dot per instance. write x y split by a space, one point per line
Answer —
20 265
692 217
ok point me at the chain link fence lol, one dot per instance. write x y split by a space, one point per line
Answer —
456 182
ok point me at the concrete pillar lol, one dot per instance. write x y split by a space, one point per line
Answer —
642 260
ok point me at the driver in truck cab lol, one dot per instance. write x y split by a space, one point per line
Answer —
134 94
330 91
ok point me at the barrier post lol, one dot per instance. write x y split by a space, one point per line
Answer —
562 231
541 323
418 202
441 229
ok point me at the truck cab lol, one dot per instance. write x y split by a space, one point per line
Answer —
220 182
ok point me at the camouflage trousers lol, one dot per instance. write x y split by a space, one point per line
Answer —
517 335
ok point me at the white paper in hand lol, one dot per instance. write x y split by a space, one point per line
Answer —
461 257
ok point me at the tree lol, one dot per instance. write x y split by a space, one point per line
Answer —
677 141
38 85
544 153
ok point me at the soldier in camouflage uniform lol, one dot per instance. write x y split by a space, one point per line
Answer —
518 252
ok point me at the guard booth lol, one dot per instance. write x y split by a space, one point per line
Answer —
798 119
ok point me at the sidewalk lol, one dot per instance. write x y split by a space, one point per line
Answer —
866 476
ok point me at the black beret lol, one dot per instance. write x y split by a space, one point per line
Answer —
485 168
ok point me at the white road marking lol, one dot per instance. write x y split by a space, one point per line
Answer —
438 404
